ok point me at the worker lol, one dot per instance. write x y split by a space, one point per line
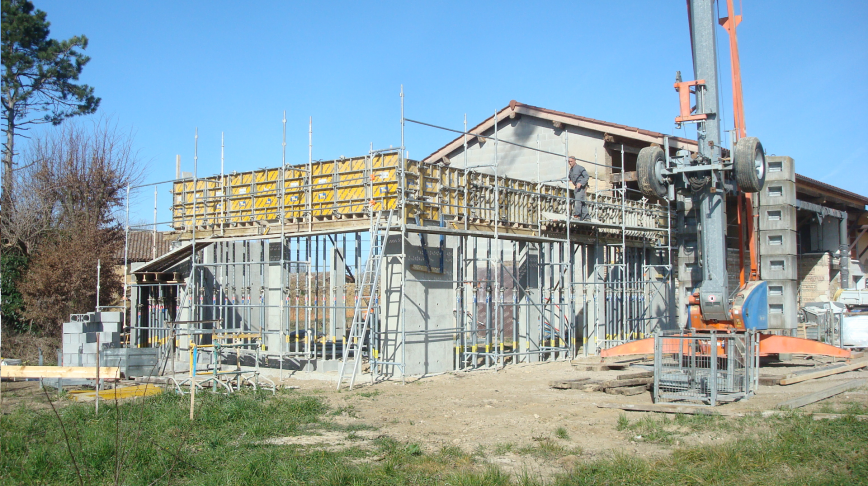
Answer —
578 177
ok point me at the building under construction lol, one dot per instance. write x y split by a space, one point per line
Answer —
468 258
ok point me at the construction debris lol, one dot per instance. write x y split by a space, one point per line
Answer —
626 390
568 384
632 386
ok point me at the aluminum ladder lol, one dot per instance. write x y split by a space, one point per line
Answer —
366 300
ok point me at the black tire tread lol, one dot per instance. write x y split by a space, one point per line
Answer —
743 165
645 165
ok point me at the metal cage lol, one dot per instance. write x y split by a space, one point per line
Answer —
709 367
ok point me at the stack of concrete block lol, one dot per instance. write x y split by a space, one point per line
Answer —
778 241
81 334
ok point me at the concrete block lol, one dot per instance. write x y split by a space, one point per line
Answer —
780 168
112 339
781 217
89 347
111 327
782 317
77 327
777 242
70 359
778 267
777 193
74 327
109 316
783 303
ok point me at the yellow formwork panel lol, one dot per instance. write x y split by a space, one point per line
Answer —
352 186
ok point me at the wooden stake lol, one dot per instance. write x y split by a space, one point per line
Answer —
192 380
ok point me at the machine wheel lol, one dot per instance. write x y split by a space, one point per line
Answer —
649 172
749 164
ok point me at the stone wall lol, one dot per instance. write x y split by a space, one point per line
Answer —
814 277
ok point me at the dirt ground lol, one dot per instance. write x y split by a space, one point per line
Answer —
499 412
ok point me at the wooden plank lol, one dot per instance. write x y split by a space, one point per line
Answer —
119 393
601 367
822 373
771 380
632 382
689 410
660 408
832 416
627 390
568 384
641 374
66 372
822 394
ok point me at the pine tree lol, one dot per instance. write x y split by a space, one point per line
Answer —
38 80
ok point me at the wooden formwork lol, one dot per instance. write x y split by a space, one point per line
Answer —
350 189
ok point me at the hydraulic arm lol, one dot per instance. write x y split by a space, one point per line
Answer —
707 176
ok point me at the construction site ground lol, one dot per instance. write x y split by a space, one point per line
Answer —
503 414
512 418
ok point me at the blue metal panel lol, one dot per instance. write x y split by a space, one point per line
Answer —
755 310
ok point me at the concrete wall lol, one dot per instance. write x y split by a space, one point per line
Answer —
428 306
520 163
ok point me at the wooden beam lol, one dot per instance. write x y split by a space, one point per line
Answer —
822 394
568 384
688 410
660 408
822 373
627 390
65 372
628 382
640 374
628 176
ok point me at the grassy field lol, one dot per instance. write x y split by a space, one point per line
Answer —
153 441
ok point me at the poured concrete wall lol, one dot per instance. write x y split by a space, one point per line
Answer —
428 306
521 163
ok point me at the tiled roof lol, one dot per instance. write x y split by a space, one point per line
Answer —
140 246
800 179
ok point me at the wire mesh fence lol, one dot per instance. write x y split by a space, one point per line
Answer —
707 368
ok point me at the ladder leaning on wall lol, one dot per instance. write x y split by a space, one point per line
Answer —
366 296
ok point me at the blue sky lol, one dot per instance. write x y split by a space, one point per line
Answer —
165 68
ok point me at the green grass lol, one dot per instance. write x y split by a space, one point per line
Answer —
223 445
789 449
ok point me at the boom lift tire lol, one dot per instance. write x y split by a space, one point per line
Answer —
749 165
649 172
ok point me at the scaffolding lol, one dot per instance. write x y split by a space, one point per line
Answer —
478 269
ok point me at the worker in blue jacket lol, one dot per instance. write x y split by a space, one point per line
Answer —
578 177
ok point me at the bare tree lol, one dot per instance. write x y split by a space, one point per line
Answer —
73 177
66 215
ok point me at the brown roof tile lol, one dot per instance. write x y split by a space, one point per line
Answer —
140 246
